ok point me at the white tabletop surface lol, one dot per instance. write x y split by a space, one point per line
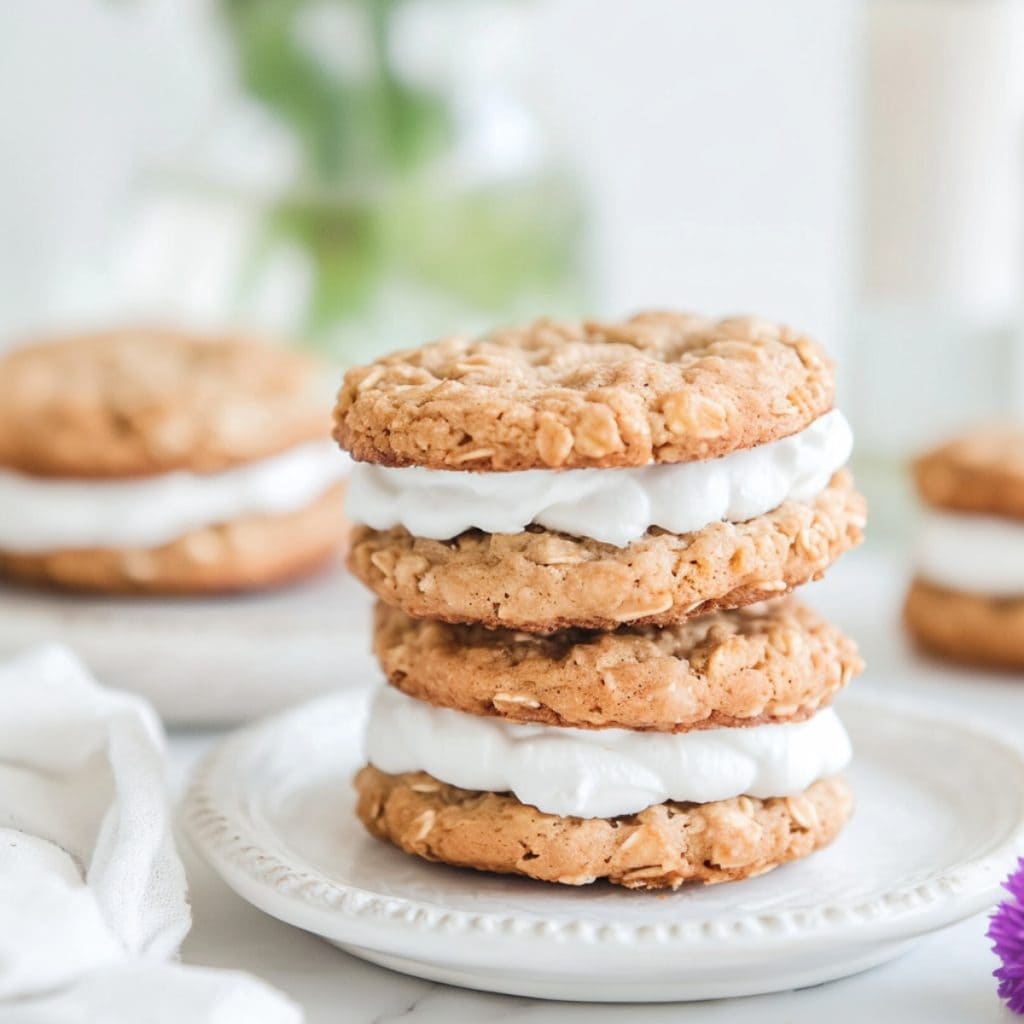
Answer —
946 977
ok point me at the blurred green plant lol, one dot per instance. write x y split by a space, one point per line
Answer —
370 207
349 126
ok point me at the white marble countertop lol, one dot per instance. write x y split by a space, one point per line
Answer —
946 977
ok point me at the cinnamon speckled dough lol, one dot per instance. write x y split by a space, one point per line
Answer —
539 581
965 627
660 848
980 472
139 401
242 554
662 387
773 662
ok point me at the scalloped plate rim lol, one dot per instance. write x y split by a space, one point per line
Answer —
231 847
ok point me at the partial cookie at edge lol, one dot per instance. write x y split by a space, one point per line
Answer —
242 554
662 387
773 662
539 581
981 473
969 628
660 848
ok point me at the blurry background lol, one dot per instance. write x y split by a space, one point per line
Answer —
361 175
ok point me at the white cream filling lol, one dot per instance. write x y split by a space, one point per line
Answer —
976 554
615 506
599 773
51 514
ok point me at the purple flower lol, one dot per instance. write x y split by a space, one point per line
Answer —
1007 934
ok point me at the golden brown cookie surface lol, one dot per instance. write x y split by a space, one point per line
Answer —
540 581
773 662
660 848
246 553
965 627
661 387
981 472
140 401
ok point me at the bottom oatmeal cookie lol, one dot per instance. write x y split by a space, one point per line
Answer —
659 848
242 554
971 628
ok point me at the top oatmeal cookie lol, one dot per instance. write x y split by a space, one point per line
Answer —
661 387
980 472
132 402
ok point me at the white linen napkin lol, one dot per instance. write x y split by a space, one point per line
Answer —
93 898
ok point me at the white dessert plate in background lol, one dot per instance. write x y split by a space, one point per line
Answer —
206 660
938 824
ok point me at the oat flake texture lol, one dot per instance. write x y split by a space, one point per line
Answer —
661 387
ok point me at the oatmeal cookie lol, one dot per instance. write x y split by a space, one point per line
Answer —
772 662
981 472
660 848
242 554
136 402
658 387
971 628
540 581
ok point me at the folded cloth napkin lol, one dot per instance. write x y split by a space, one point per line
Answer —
93 898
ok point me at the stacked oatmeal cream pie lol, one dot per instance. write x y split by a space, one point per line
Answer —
583 536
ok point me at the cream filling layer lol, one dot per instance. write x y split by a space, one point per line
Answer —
51 514
614 506
600 773
976 554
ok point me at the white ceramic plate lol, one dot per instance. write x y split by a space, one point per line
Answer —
940 819
206 660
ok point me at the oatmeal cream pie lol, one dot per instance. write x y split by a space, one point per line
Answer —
642 472
967 598
564 524
773 662
647 810
148 460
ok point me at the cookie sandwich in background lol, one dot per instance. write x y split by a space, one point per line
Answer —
582 536
966 601
155 461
